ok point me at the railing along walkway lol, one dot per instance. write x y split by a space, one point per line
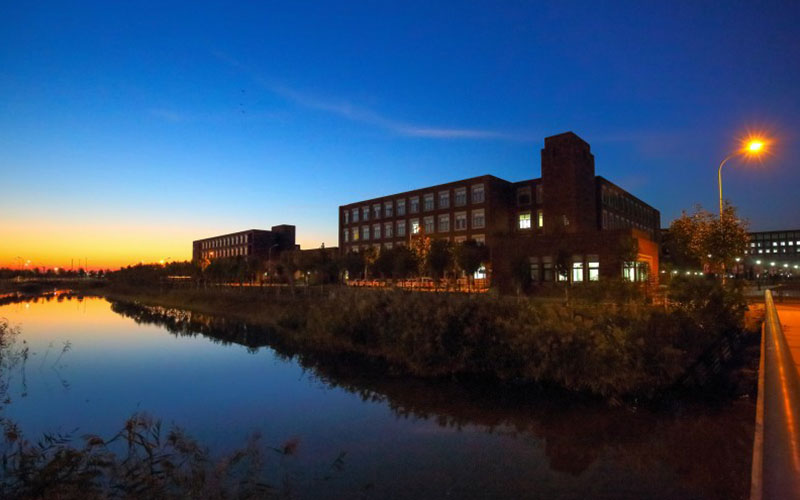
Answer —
776 447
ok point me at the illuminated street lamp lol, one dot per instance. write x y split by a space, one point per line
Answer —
753 147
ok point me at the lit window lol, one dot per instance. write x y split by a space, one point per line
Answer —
629 271
539 218
388 209
525 220
461 197
414 226
414 205
401 228
444 199
376 231
477 193
364 232
388 246
460 239
387 230
427 202
478 219
376 210
577 269
428 224
461 221
594 268
444 223
774 243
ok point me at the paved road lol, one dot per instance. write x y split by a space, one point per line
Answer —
790 321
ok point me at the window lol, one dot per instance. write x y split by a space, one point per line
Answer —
539 218
479 238
444 199
376 210
401 228
388 246
387 230
461 221
365 232
365 213
427 202
444 223
594 267
461 197
460 239
346 235
629 271
535 269
525 220
538 194
477 193
388 209
355 215
478 219
401 207
547 268
577 269
376 231
524 196
414 205
428 224
414 226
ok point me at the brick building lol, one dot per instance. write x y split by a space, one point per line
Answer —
568 218
256 243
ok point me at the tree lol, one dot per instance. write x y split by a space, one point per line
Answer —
405 263
352 263
469 257
713 241
440 258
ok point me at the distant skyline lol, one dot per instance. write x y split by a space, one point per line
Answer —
129 130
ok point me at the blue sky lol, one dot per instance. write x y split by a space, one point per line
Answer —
149 125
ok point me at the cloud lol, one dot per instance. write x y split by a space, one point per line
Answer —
359 114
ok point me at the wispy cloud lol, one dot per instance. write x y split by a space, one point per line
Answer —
360 114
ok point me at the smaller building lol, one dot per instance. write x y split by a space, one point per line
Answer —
773 253
256 243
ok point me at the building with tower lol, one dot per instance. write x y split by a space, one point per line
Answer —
569 225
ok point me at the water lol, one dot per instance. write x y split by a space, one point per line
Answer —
402 438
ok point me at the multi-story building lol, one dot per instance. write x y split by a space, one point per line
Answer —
256 243
567 214
773 253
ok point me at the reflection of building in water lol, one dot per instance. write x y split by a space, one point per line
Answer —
256 243
569 225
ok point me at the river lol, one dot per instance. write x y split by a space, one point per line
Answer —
94 363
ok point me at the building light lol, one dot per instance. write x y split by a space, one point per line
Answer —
758 262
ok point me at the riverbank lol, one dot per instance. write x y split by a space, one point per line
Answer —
607 350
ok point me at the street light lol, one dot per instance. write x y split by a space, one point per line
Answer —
752 147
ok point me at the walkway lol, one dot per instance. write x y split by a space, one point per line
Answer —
790 321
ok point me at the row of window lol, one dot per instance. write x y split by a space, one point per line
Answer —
543 269
524 220
776 236
614 221
524 195
227 252
430 225
773 250
623 203
226 241
480 238
430 202
774 244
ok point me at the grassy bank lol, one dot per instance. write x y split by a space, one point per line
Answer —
600 348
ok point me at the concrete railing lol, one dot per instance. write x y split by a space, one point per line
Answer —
776 447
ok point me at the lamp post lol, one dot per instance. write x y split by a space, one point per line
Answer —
753 147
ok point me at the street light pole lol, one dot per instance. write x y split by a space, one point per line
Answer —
719 179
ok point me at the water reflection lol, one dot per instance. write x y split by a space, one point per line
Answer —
691 451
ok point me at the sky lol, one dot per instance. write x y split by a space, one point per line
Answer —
129 129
